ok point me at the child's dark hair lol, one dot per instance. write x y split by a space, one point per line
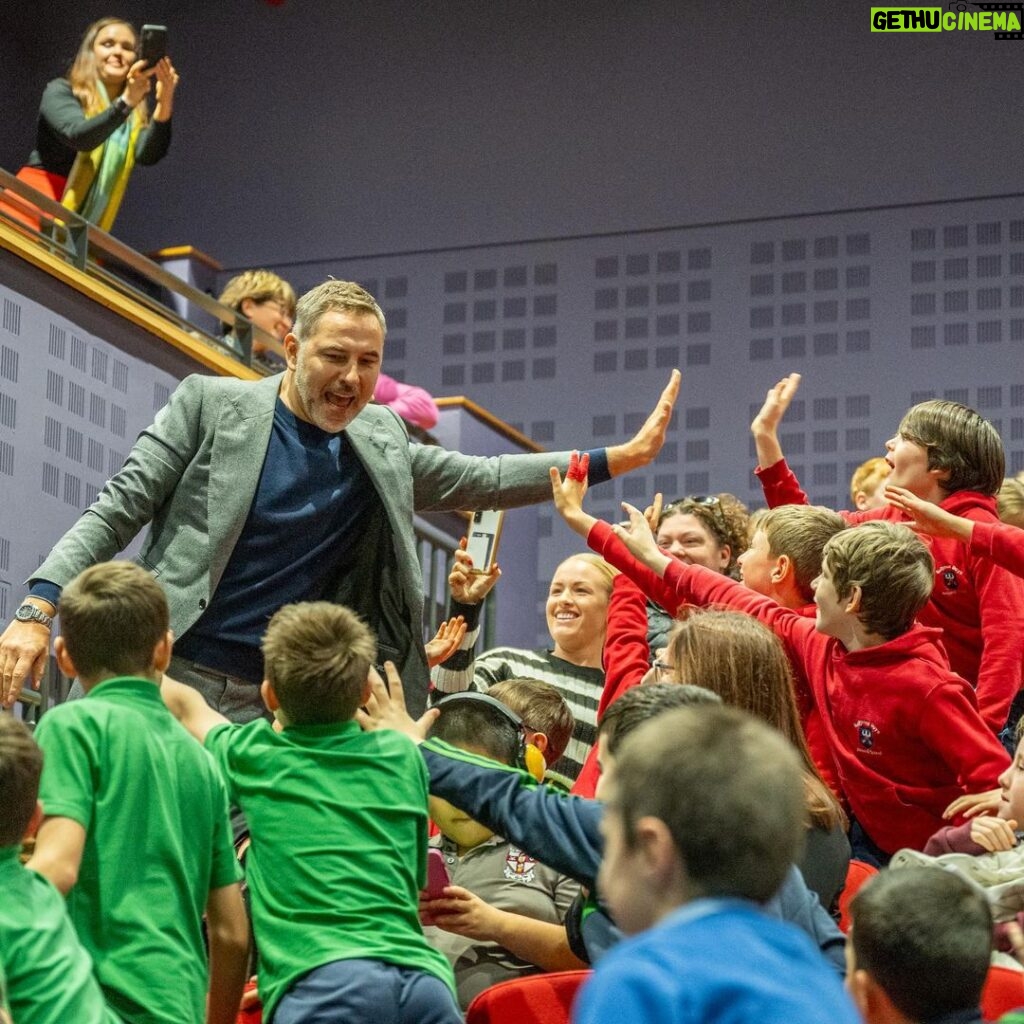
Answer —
925 936
317 656
728 788
960 442
477 725
542 709
640 703
112 616
21 764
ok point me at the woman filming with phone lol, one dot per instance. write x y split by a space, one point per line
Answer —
576 611
95 124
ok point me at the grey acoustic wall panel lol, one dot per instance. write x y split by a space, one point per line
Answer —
571 340
71 406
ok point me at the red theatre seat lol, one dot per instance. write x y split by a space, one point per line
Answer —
536 999
1003 991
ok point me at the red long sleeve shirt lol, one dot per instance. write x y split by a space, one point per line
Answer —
905 731
978 605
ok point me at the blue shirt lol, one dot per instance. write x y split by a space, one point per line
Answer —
715 962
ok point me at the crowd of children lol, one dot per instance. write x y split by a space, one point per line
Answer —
836 683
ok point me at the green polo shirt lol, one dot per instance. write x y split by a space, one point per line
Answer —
49 974
154 810
339 845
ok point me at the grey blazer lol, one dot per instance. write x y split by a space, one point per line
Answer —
192 477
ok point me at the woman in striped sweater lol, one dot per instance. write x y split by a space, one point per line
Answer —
576 612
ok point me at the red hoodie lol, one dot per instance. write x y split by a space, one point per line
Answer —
1001 543
977 605
905 731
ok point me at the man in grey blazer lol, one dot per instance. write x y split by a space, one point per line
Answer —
291 488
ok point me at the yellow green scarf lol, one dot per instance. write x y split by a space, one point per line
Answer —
98 178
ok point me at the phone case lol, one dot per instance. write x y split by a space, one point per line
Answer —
437 874
484 535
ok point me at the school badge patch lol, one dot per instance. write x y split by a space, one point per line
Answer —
519 866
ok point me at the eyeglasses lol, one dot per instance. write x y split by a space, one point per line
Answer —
709 501
663 672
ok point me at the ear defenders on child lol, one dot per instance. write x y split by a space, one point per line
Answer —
528 757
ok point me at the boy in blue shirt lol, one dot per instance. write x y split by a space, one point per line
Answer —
705 814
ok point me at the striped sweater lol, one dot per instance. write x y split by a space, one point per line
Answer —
581 687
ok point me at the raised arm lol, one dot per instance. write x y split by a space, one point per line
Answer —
189 708
561 831
765 426
468 590
641 449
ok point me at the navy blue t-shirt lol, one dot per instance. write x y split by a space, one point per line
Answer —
308 515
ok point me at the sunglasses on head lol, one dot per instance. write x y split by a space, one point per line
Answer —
709 501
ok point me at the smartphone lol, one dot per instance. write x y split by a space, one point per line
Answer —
153 44
482 539
437 874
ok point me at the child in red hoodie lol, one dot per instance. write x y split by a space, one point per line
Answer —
946 454
905 731
1001 543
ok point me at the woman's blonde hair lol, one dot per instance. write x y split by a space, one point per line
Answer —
744 662
84 76
608 574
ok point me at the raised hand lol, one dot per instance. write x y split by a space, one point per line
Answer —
466 585
568 493
638 538
138 83
386 710
653 512
167 80
447 640
641 449
765 425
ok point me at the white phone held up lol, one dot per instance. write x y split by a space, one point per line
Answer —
482 539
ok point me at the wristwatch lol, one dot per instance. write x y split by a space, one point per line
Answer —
121 105
28 612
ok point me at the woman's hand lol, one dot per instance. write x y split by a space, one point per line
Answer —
466 586
166 82
447 640
137 84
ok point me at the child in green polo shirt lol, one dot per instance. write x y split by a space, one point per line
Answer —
49 977
338 819
136 831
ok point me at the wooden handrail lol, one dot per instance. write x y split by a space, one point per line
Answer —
500 426
137 313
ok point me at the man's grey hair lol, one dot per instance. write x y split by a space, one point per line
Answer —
334 295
